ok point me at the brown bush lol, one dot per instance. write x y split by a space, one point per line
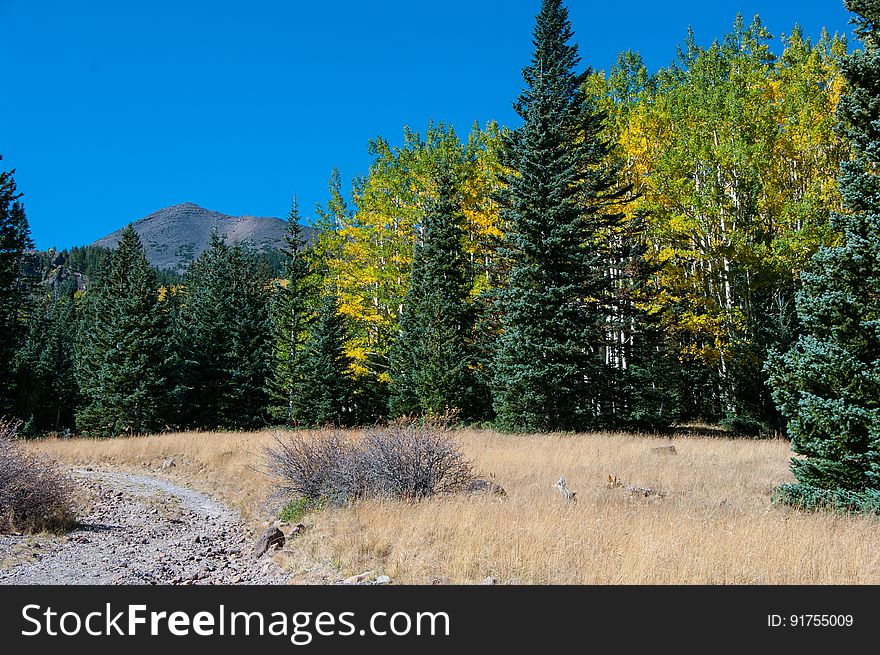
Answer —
411 459
407 459
322 466
34 494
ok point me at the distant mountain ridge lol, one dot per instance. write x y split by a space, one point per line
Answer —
174 236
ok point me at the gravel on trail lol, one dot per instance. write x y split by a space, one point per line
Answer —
138 529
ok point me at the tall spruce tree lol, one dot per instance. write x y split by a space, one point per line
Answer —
403 396
14 240
47 393
828 385
123 355
225 334
250 371
292 312
549 371
326 393
201 337
433 358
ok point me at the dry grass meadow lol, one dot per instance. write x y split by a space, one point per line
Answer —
715 525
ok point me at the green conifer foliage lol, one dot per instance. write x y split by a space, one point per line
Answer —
122 358
433 359
549 372
47 392
325 395
14 240
224 332
292 312
828 385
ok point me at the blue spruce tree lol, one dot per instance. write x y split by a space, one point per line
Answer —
828 385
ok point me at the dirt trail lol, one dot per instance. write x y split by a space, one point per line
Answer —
138 529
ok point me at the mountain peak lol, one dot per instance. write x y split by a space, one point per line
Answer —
174 236
187 205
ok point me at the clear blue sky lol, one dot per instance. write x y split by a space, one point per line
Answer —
112 109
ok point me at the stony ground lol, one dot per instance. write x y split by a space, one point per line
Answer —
138 529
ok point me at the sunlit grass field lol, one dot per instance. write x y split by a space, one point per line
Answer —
714 524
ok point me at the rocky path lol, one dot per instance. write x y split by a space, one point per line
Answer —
137 529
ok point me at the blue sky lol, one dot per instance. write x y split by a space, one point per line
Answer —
112 109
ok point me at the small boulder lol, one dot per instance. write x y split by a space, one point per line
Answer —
489 581
645 492
479 486
565 493
272 536
382 579
168 463
360 578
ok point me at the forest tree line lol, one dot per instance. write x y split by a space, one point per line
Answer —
627 258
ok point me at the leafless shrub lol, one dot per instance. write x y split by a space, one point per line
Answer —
407 459
413 460
325 466
34 494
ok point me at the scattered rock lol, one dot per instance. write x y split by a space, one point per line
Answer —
360 578
664 450
168 463
647 492
613 482
299 528
567 494
272 536
365 578
121 541
485 487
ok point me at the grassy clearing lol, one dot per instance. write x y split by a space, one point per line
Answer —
715 524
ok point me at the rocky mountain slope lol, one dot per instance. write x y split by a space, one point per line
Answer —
176 235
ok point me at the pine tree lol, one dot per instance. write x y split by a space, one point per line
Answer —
828 385
403 396
549 372
47 392
292 313
325 395
122 359
201 337
224 332
433 359
251 344
14 240
332 219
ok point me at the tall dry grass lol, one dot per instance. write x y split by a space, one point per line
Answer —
716 523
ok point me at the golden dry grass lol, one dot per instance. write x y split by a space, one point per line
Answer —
716 523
